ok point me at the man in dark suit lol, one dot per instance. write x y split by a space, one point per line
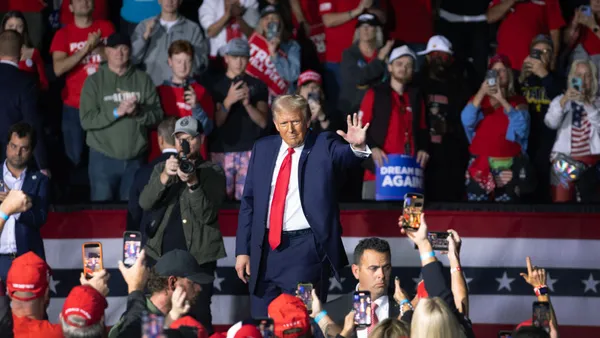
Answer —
289 224
19 96
21 231
166 143
372 268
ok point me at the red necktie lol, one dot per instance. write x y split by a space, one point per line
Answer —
278 203
374 319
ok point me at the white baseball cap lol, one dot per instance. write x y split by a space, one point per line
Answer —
438 43
400 52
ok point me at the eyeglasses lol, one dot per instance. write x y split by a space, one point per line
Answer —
543 51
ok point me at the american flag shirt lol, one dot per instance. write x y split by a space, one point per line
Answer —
580 131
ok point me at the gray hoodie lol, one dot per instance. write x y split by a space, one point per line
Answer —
153 53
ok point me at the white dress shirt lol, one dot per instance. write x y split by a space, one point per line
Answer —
293 215
8 242
382 312
9 63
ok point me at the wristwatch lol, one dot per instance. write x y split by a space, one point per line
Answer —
541 290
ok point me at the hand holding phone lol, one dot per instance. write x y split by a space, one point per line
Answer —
541 315
91 253
492 77
132 245
304 292
577 83
438 240
411 213
362 308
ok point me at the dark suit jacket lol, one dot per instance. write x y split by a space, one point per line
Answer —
323 156
19 102
27 227
338 308
135 214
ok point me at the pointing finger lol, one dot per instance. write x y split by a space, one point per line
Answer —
529 268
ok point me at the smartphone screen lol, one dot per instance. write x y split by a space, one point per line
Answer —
586 10
92 258
265 326
132 245
362 308
541 315
152 325
504 334
305 293
438 240
576 83
411 214
491 77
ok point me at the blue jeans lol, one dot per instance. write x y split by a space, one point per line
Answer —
111 179
73 134
332 85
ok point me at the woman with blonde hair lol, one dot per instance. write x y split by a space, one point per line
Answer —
390 328
433 319
576 150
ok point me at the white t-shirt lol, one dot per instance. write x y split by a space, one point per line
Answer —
167 24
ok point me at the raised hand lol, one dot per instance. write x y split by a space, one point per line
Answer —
357 133
535 276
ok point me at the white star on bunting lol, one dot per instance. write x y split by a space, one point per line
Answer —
53 284
504 282
550 282
217 282
590 284
334 284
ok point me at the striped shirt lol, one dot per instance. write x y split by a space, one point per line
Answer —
580 132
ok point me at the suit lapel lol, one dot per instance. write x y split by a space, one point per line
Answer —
274 152
308 144
29 182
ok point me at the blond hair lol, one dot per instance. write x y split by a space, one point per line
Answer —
433 319
378 36
390 328
294 103
590 95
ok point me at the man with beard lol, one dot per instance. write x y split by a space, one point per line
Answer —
445 93
21 231
397 121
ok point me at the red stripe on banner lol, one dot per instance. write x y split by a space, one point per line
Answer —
362 223
491 330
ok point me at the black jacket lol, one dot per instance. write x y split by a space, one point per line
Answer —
135 214
19 97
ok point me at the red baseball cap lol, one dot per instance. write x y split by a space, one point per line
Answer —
290 316
28 273
84 306
503 59
190 322
248 331
309 76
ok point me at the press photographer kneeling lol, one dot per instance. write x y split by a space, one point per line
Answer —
182 199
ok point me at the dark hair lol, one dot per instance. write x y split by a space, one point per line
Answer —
10 43
372 243
166 129
23 129
18 15
181 46
530 332
157 283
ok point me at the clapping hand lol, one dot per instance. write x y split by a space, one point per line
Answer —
357 133
16 201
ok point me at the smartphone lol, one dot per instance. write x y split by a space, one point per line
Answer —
491 77
541 315
238 79
438 240
132 245
504 334
272 30
362 307
576 83
536 54
314 96
411 214
586 10
305 293
265 326
152 325
92 258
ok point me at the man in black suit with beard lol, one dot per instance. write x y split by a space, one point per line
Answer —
372 268
166 143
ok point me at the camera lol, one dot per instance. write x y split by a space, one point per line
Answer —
185 165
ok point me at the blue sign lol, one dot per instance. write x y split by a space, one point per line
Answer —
401 175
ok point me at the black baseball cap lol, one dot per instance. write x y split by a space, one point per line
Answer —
180 263
116 39
368 19
270 9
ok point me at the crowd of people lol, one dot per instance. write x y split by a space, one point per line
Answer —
518 123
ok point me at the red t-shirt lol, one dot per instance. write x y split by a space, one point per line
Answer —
173 104
310 10
522 23
70 39
31 6
24 327
35 65
100 11
490 134
338 38
399 126
410 21
589 41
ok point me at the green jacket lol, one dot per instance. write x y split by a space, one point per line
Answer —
199 210
125 137
130 323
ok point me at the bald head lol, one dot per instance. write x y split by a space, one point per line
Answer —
10 45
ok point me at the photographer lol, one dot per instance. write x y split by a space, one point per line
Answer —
183 198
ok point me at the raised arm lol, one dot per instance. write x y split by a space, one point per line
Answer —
497 11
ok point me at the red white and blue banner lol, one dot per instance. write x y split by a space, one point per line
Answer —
495 245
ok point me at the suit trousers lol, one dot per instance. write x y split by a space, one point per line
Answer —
5 263
298 259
